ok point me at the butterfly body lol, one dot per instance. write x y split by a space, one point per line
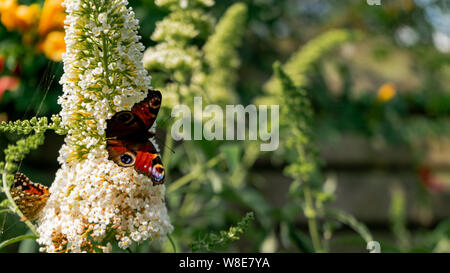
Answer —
127 138
29 197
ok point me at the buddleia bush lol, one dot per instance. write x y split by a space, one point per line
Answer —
94 204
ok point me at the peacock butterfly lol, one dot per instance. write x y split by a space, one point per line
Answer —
127 138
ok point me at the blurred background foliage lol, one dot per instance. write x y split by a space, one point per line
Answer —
368 80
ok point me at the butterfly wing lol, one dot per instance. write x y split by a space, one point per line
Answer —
138 153
29 197
120 153
148 109
124 123
127 138
137 121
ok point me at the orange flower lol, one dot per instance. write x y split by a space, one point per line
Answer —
54 46
8 20
7 5
386 92
50 28
27 16
19 17
52 17
8 13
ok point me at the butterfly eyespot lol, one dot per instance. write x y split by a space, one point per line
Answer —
154 102
127 138
158 173
127 159
125 117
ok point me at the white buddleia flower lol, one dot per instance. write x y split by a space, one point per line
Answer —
93 200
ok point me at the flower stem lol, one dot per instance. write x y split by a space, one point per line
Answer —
192 175
351 221
310 214
105 58
172 243
17 239
4 210
167 149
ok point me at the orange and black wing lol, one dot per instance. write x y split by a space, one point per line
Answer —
140 154
137 121
147 110
30 197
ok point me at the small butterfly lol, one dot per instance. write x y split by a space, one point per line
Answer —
127 138
30 197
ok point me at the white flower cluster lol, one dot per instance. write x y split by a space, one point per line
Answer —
183 3
96 200
170 57
210 71
103 70
92 200
175 54
173 59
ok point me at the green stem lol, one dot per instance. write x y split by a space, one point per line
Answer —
13 205
4 210
167 149
172 243
351 221
17 239
182 181
311 215
192 175
105 59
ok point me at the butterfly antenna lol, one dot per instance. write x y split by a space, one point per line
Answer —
20 165
164 144
162 123
165 121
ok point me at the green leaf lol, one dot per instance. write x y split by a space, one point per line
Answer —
232 154
4 203
17 239
4 210
28 246
301 240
